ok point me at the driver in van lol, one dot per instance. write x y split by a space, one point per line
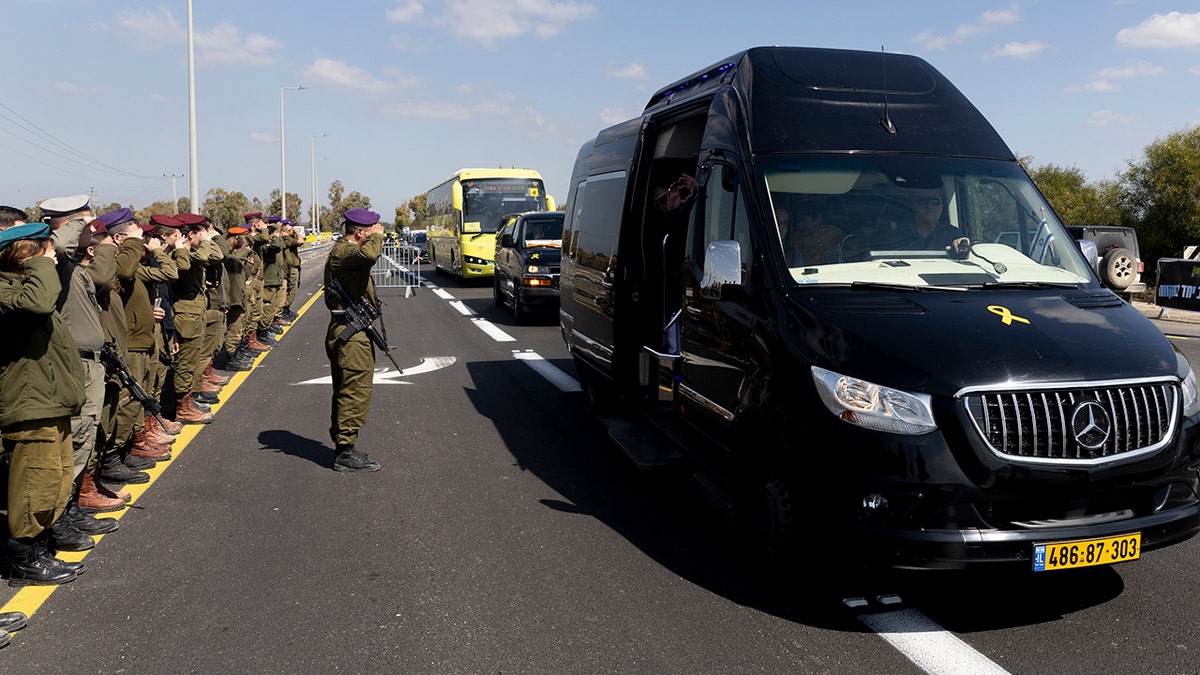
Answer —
931 229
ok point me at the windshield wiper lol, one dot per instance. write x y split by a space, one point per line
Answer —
883 286
1030 284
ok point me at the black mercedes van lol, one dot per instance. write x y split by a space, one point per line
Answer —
820 278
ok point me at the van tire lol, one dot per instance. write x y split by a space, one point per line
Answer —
497 294
519 313
1118 268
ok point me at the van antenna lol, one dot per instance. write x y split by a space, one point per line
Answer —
886 122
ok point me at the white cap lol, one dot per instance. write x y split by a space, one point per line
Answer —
61 206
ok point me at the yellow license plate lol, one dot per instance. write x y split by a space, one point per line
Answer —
1086 553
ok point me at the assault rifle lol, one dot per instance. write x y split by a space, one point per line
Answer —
361 315
115 362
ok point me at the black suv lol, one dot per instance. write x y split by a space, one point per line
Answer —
528 250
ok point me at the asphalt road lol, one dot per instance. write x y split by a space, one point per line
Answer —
504 534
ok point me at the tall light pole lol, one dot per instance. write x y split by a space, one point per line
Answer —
195 179
174 198
316 206
283 156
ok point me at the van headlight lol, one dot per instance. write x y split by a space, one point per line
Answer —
1191 398
873 406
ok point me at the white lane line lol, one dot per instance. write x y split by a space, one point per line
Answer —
493 332
558 378
441 293
928 645
462 308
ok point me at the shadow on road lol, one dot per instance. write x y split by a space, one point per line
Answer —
662 515
282 440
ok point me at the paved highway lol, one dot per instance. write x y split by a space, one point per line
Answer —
505 534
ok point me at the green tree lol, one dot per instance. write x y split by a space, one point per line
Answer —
184 205
225 209
294 205
1159 192
1076 201
163 208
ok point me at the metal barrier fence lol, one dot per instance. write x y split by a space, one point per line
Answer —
398 267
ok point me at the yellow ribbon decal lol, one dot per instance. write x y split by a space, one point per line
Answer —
1005 315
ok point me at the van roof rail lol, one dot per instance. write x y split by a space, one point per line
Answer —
696 82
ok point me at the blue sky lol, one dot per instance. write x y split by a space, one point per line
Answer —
408 91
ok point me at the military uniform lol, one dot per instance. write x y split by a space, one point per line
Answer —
41 388
191 303
272 260
351 363
236 296
291 258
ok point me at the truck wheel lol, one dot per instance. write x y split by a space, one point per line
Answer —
1118 269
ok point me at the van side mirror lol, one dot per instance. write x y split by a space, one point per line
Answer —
722 266
456 195
550 204
506 240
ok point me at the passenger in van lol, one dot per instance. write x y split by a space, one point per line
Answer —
816 241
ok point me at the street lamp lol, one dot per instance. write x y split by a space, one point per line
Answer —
283 156
316 206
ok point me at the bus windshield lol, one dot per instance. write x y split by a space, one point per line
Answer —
917 221
487 200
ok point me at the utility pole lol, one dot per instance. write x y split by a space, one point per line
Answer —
283 156
174 198
193 169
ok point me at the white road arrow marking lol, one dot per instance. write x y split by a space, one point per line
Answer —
389 376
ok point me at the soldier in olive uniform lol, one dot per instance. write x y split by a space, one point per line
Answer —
192 256
352 363
254 279
41 388
291 257
241 356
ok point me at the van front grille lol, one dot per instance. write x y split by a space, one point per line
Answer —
1077 425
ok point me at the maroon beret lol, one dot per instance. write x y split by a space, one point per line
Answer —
191 219
251 216
165 221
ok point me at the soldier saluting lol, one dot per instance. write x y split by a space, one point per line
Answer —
351 361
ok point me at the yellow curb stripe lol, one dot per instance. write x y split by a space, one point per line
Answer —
30 598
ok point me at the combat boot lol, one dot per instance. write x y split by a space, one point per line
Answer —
352 460
115 471
28 567
275 329
173 427
91 500
267 338
144 447
211 375
65 536
156 435
11 622
206 397
242 360
186 412
107 491
253 343
89 524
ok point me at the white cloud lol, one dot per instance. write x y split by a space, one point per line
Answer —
1133 70
1104 118
72 89
1163 31
259 137
152 30
492 20
1101 81
986 23
429 109
633 71
342 74
223 45
405 12
1020 50
610 116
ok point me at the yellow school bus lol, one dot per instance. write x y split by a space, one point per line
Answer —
466 210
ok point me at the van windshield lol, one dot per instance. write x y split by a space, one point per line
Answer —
916 221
